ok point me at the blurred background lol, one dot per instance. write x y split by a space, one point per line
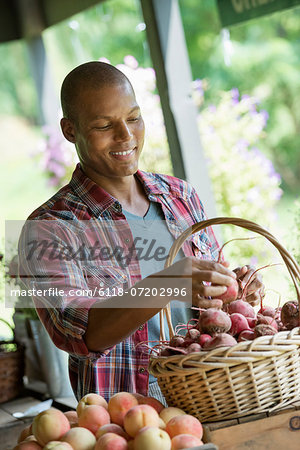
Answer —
245 86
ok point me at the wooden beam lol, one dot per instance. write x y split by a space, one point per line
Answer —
174 82
46 95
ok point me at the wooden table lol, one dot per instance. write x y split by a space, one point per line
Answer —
279 430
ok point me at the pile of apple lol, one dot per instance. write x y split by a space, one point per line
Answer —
126 422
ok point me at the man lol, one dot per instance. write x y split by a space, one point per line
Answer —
105 302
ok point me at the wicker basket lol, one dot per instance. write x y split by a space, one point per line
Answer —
11 369
225 383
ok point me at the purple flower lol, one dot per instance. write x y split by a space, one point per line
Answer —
253 194
198 86
212 108
265 116
245 97
130 61
235 95
254 261
242 144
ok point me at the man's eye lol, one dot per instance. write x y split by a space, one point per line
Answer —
134 119
104 127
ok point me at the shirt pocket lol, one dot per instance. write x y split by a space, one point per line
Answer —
202 246
105 277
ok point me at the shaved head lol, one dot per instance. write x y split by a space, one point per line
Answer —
93 75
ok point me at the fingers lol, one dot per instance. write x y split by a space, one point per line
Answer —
253 299
241 271
211 277
225 263
210 290
249 274
206 303
212 266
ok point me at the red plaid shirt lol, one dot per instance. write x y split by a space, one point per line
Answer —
123 367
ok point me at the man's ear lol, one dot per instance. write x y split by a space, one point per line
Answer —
68 130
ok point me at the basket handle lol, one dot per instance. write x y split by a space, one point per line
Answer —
289 261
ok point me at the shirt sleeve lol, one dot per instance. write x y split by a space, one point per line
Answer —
55 280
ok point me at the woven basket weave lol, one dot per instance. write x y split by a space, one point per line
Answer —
11 369
225 383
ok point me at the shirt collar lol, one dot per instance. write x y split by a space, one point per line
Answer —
98 200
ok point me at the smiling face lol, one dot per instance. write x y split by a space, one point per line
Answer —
108 131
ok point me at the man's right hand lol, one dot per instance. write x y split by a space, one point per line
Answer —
209 279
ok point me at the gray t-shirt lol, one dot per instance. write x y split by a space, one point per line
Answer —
150 234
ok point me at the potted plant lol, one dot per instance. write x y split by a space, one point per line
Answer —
44 361
11 356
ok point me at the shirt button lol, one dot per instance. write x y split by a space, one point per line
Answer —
141 370
141 327
127 240
101 284
118 207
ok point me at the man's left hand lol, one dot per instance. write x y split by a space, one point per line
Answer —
255 289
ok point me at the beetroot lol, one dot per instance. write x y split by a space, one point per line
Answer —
267 311
213 321
290 315
203 338
280 326
220 340
246 335
242 307
278 313
231 293
266 320
193 334
251 321
193 348
264 330
191 337
177 341
239 323
166 352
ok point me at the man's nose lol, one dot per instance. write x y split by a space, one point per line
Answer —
123 132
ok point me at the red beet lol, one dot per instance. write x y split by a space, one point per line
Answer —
193 348
278 313
166 352
177 341
242 307
193 334
220 340
264 330
239 323
267 311
280 326
290 315
213 321
246 335
266 320
251 321
231 293
203 338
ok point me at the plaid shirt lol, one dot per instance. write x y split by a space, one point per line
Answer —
123 367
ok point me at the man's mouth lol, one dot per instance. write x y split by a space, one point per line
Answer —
123 153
